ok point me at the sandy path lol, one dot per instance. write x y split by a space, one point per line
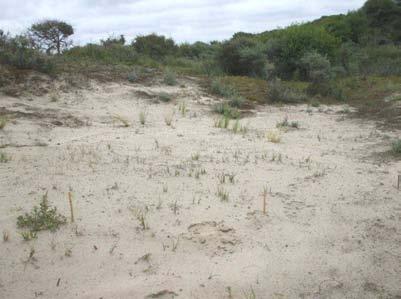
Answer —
333 223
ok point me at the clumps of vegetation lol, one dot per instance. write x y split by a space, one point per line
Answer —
285 123
396 147
217 87
3 122
277 92
165 97
222 194
140 215
4 158
273 136
226 110
134 75
222 123
170 78
29 235
42 217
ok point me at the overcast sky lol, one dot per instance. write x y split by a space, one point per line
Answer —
183 20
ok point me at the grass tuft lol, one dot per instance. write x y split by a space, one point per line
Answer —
396 147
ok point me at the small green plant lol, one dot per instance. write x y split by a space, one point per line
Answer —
226 110
3 122
170 78
249 294
182 108
396 146
165 97
4 158
222 194
195 157
28 235
43 217
142 117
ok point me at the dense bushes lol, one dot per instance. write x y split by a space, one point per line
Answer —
242 56
288 46
18 52
155 46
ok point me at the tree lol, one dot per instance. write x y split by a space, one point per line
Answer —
51 35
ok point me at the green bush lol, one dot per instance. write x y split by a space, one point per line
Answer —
315 67
277 92
396 146
19 52
43 217
155 46
170 78
288 46
243 56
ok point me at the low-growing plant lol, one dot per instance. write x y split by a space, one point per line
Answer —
3 122
285 123
4 158
273 136
28 235
165 97
226 110
236 101
277 92
221 89
222 194
170 78
182 107
42 217
396 146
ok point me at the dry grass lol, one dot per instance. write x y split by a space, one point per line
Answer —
273 136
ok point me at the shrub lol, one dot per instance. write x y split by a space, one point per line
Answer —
221 89
18 51
288 46
396 146
43 217
170 78
165 97
155 46
315 67
277 92
226 110
236 101
243 56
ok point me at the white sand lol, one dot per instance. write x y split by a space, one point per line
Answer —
333 223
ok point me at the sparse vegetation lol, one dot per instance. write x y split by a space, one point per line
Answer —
396 147
165 97
4 158
222 194
3 122
42 217
273 136
170 78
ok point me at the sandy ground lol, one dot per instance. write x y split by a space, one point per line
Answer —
332 227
